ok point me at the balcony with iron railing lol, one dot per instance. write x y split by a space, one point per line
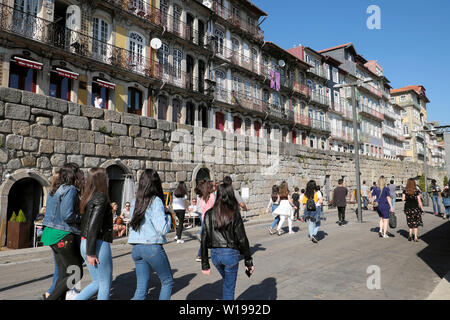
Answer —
150 14
239 59
342 108
300 88
365 109
237 21
318 71
372 89
391 132
341 135
42 31
302 119
239 98
319 98
320 125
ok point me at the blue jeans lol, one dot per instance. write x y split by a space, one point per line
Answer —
321 213
101 274
393 201
275 222
55 276
447 211
227 263
313 226
199 254
435 200
365 202
154 256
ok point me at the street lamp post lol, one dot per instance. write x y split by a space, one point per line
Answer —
356 140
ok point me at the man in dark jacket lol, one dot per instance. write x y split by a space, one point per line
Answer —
340 200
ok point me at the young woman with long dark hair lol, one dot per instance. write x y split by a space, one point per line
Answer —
311 209
179 205
224 233
205 190
62 228
97 234
148 228
413 208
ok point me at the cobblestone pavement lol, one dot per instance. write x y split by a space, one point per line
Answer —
286 267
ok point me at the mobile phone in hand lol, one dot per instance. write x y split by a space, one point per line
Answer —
247 272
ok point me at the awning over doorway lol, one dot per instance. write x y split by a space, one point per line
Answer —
67 74
28 63
105 84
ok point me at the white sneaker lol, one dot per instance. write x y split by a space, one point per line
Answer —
176 238
291 232
386 236
180 241
72 294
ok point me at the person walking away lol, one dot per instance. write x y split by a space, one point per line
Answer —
413 208
285 209
340 201
392 188
296 201
61 226
273 204
435 197
446 201
224 233
311 202
179 205
148 228
365 195
321 212
383 205
97 235
302 195
207 198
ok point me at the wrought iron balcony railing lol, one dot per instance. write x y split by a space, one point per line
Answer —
319 98
237 21
238 58
43 31
300 88
321 125
364 108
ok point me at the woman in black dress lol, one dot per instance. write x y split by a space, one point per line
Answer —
413 208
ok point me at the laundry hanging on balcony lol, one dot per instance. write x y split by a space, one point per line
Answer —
275 80
28 63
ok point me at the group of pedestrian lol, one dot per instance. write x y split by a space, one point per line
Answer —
285 206
79 228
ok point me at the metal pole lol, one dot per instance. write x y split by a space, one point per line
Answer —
356 145
425 172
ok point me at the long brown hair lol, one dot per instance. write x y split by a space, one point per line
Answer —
284 190
225 207
97 181
411 187
206 188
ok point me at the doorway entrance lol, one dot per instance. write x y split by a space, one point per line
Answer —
116 176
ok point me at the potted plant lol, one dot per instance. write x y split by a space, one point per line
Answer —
18 235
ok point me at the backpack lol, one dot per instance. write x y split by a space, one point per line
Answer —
310 205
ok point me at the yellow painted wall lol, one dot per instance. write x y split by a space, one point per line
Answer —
82 93
121 37
120 98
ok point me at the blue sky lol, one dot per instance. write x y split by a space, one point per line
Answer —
413 45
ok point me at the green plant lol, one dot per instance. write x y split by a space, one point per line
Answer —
445 181
113 134
422 182
102 129
13 217
21 217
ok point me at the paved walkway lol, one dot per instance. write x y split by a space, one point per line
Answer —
287 266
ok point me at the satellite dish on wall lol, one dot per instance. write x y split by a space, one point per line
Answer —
207 4
281 63
156 43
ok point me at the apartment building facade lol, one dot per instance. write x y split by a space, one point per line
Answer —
414 101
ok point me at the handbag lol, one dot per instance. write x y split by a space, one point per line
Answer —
392 220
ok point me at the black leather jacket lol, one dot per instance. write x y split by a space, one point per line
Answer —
97 222
233 237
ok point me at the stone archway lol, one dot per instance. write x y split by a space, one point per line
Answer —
24 177
200 171
118 173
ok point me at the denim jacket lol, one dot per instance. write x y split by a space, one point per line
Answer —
154 227
62 210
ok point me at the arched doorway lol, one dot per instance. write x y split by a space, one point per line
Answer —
27 195
201 172
116 176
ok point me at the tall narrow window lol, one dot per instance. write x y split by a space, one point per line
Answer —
136 47
220 84
177 58
134 101
101 36
162 108
176 110
60 87
163 56
22 78
176 19
219 40
24 17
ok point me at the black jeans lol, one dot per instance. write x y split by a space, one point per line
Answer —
67 253
180 215
341 214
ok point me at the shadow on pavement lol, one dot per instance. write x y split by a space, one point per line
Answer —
437 254
266 290
124 285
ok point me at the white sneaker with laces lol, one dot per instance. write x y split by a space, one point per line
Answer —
72 294
180 241
386 236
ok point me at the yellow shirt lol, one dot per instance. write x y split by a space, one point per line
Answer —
316 198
